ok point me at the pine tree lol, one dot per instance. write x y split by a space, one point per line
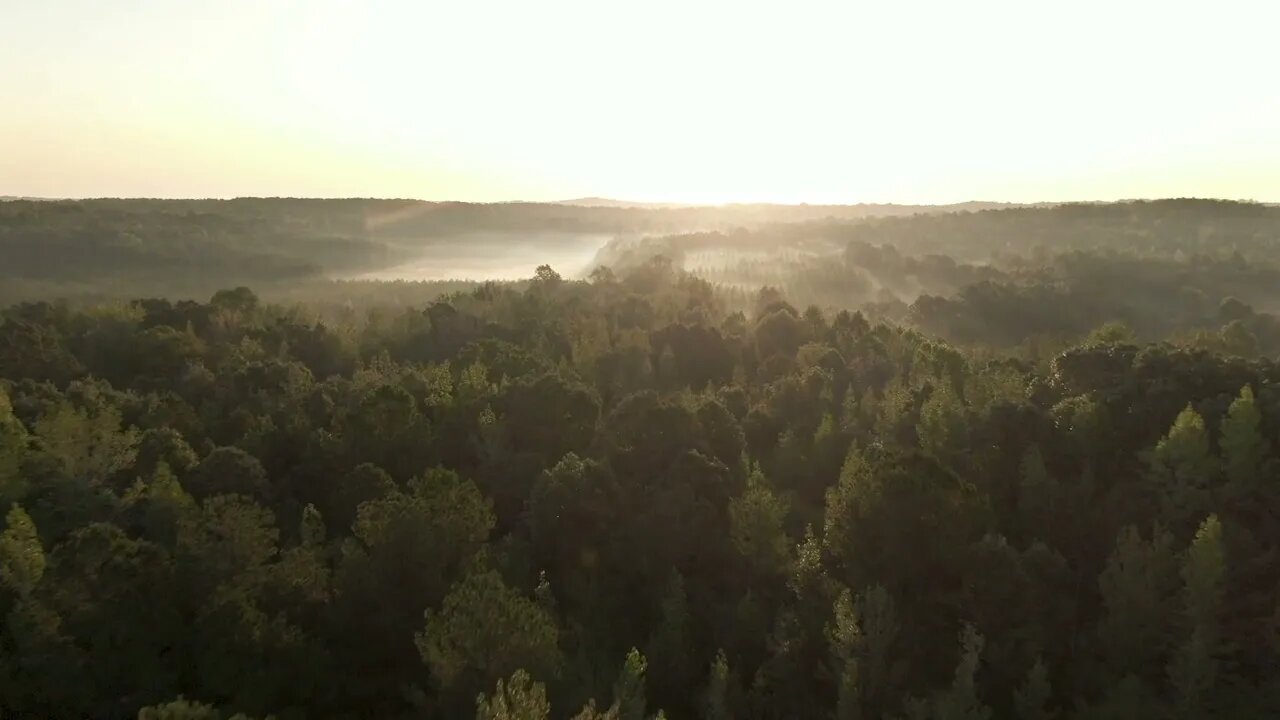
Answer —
487 626
715 705
519 698
756 528
1182 469
1037 490
1136 585
22 559
845 638
1032 699
13 451
180 709
312 530
589 712
961 701
943 428
543 595
670 649
159 504
628 690
879 623
1195 667
1244 449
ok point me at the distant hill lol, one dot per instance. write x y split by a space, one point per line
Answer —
837 209
599 202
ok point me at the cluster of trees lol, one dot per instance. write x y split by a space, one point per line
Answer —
621 498
117 249
1203 273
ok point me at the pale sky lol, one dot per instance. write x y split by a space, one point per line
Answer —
686 100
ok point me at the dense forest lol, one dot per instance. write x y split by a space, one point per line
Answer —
1016 463
294 248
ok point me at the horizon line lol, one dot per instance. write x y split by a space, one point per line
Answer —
593 201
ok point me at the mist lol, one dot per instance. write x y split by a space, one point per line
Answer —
493 256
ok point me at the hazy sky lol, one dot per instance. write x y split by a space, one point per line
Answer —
655 100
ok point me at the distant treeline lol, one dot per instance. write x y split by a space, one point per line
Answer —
1202 271
189 248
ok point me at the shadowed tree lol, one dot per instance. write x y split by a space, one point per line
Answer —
13 452
1137 585
1182 471
1195 669
518 698
484 630
88 446
1244 449
22 559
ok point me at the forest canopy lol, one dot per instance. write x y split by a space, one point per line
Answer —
1016 462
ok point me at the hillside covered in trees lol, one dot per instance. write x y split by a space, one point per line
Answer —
294 248
1034 477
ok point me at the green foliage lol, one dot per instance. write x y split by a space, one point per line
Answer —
1244 449
519 698
158 504
1204 572
85 445
231 539
22 560
757 527
435 524
628 690
846 644
879 626
514 484
670 650
13 451
943 428
1031 700
961 701
589 712
181 709
1037 491
486 627
312 530
1182 468
1194 669
1111 333
1137 585
716 701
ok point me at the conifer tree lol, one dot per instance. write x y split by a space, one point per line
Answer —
1182 469
517 698
628 690
1244 449
1137 586
1031 700
22 558
716 702
670 648
1195 667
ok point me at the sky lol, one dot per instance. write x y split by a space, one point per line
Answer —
675 101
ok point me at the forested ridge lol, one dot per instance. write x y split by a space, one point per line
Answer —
1050 491
294 247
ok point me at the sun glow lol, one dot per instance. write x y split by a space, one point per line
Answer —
660 101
